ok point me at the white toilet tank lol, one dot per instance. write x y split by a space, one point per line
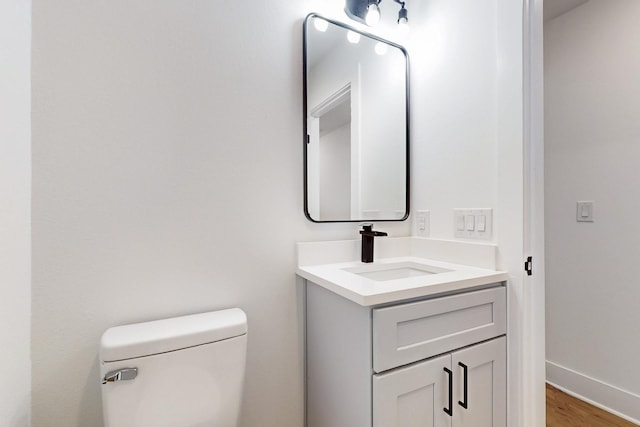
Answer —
180 372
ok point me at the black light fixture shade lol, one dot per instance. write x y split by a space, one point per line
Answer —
402 14
357 9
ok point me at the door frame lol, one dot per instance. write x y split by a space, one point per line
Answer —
533 343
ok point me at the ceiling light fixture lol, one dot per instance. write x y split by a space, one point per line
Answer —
368 12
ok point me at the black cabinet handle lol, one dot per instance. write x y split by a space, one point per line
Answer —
449 410
465 401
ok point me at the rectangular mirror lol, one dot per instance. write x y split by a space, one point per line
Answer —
356 121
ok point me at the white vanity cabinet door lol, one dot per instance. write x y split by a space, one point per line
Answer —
413 396
416 395
486 385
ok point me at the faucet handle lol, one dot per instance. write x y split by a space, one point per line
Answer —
367 230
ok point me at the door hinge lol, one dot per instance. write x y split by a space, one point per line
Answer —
528 266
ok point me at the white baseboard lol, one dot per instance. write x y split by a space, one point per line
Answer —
605 396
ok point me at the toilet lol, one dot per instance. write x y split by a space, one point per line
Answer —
180 372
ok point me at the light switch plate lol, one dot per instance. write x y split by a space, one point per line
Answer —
473 223
421 224
584 211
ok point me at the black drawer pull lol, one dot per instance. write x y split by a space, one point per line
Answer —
465 400
449 410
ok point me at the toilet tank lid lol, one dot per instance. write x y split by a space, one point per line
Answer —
161 336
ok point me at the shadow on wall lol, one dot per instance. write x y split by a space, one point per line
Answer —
91 404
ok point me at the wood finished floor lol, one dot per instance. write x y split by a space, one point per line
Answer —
567 411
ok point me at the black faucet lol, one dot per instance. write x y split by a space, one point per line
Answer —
367 241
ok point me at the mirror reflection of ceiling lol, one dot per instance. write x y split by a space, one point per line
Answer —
323 45
337 117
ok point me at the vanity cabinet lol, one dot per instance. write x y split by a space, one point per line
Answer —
435 362
434 392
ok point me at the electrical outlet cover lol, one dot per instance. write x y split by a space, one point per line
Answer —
421 226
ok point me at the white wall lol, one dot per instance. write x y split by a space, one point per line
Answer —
592 104
167 160
454 107
15 181
168 165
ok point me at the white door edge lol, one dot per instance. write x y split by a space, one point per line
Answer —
533 328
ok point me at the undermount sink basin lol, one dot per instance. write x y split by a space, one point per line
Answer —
394 271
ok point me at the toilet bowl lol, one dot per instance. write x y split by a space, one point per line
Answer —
180 372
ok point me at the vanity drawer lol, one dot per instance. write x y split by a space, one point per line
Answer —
406 333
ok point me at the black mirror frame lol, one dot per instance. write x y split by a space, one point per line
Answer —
305 125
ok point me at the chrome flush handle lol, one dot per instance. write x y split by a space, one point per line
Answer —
124 374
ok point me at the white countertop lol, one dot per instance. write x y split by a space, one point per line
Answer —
368 292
